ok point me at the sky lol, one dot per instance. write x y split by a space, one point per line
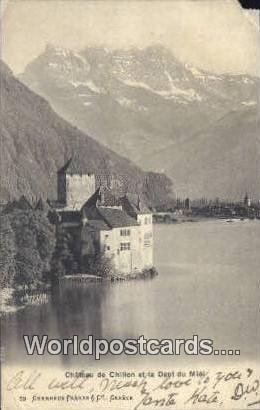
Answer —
215 35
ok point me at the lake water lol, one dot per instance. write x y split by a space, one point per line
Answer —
208 285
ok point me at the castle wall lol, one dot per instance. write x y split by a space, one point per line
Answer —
146 239
140 254
130 248
125 260
79 188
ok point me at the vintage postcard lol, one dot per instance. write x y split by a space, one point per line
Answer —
130 204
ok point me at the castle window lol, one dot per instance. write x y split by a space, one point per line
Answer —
125 232
125 246
108 248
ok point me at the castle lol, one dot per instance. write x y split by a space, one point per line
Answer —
74 185
118 227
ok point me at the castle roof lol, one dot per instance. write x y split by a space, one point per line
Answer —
42 205
107 198
116 218
133 204
112 217
76 165
98 225
93 200
22 204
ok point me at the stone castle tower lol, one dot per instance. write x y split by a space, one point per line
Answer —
75 185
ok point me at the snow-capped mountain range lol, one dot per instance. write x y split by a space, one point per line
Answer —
163 114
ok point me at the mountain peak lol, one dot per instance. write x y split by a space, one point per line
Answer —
51 49
147 103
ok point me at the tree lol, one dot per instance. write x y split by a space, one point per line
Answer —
64 261
7 252
26 246
28 267
100 265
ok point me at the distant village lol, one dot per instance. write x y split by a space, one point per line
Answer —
190 210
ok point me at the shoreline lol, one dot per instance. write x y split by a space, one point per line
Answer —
40 295
194 219
88 278
13 300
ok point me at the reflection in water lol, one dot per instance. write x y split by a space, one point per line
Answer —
86 304
72 310
208 284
